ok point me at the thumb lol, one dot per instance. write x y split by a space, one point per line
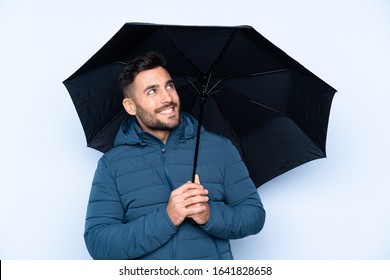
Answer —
197 180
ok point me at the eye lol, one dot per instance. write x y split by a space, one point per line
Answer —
170 85
152 91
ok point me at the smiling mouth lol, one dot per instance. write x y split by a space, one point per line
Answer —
168 109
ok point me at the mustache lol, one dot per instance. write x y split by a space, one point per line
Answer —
170 104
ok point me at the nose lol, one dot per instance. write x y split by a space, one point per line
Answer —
166 96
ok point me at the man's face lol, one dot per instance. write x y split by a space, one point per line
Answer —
155 100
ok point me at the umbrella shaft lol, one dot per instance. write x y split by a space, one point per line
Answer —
200 119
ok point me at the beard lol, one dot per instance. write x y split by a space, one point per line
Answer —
153 123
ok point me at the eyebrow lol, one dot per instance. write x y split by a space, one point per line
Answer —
150 87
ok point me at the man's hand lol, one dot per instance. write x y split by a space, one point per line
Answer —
202 217
189 200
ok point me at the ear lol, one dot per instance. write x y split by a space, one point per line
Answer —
129 106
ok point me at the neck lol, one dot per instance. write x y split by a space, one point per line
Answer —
162 135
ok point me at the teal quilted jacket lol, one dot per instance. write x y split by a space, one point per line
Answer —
127 217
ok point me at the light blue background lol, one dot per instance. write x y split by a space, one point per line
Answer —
334 208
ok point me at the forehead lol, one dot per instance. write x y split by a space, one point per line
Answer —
156 76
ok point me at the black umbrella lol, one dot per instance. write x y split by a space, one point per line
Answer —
273 109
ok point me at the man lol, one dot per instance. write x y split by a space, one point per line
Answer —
142 203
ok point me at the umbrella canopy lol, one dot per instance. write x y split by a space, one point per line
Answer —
273 109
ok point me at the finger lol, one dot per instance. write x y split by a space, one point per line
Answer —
186 187
197 205
193 195
193 200
194 192
196 209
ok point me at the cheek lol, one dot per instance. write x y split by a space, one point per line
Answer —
175 98
147 105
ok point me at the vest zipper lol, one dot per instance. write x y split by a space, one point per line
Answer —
165 167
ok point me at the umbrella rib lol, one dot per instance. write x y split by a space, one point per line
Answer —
230 126
210 92
256 102
245 75
222 51
117 116
192 84
268 72
264 106
180 51
226 120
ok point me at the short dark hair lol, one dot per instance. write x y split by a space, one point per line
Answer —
141 63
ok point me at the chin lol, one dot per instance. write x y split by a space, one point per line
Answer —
173 122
